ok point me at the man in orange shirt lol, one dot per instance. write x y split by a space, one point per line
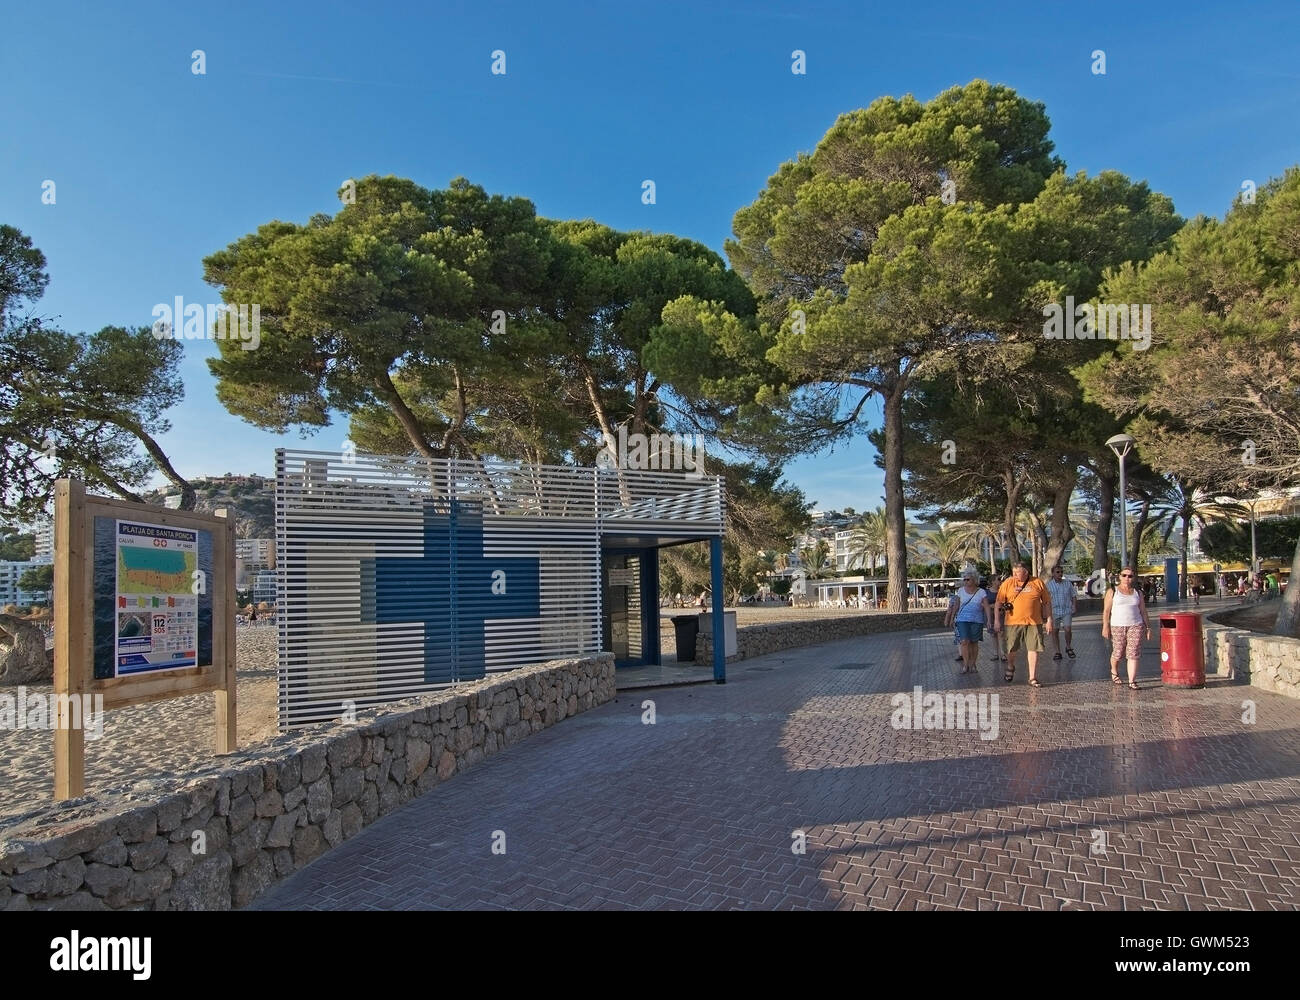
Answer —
1026 604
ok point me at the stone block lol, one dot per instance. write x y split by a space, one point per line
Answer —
313 763
289 776
181 858
147 886
332 828
319 800
295 797
308 845
248 842
205 887
347 785
282 827
353 821
344 751
242 812
270 804
145 856
104 879
112 853
250 880
138 825
171 811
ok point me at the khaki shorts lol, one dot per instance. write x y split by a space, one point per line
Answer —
1030 636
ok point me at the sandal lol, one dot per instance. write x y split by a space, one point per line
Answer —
1056 656
1070 653
1034 682
1009 675
1133 686
1114 678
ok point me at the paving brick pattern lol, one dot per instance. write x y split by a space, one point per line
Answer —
1195 808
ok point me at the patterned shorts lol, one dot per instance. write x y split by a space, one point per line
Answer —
1126 642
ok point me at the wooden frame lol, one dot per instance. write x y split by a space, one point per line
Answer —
74 674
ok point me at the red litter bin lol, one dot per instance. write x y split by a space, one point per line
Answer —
1182 650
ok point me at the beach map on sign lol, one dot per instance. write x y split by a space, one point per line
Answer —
157 609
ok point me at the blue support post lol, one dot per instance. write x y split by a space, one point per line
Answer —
1171 581
719 622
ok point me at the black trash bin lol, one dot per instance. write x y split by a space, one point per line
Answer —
686 628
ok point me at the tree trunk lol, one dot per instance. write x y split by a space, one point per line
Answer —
160 459
1062 532
188 496
1138 531
1105 520
387 391
895 517
1288 615
1009 513
1182 584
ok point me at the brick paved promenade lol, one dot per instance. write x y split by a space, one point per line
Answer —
1197 809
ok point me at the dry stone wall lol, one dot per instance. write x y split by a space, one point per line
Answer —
1265 661
218 839
759 640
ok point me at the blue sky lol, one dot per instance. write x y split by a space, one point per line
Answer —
156 167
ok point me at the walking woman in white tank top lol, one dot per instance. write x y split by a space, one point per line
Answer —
1123 619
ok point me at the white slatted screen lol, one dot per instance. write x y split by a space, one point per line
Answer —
400 576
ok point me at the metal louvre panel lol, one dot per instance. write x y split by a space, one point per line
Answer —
640 500
400 576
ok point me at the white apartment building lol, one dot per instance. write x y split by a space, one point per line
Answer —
252 556
264 587
843 551
10 574
44 532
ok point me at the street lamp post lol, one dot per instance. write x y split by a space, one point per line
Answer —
1121 445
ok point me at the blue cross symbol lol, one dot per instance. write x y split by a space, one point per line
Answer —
453 589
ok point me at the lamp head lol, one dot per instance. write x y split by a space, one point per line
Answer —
1121 444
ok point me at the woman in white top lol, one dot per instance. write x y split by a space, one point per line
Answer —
970 610
1123 619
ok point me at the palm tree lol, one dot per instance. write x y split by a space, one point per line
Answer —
868 541
1031 526
820 553
946 546
1189 504
978 534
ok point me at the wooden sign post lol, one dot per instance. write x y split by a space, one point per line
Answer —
137 651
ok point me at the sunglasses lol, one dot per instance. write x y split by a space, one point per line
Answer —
1125 574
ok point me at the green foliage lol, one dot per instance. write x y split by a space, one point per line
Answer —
451 322
1223 301
1229 541
868 282
75 405
38 579
16 547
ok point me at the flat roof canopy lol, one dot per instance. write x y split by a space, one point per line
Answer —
657 541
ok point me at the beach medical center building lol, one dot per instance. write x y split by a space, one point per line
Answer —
397 576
